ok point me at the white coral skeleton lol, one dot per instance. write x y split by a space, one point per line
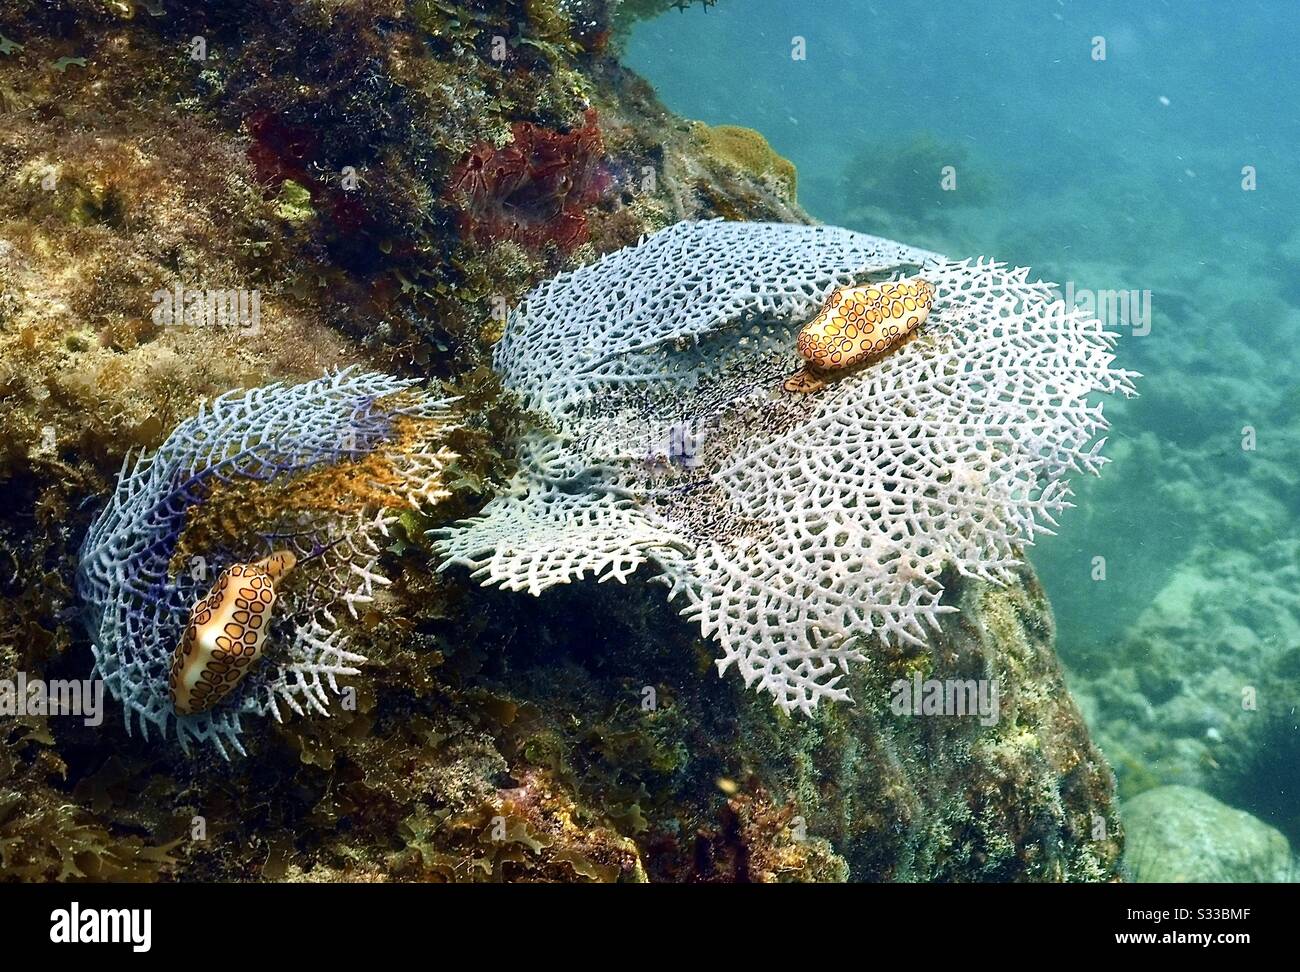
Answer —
796 530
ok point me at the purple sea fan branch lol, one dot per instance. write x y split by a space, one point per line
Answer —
137 601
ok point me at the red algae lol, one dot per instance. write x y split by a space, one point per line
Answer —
535 189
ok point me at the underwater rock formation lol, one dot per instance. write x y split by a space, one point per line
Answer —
1178 834
748 151
796 528
601 687
475 705
321 470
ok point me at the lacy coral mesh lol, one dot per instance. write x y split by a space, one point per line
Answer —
793 528
322 469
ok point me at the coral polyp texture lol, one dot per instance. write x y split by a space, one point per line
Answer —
798 530
316 473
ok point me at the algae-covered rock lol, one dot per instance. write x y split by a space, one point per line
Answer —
619 698
1183 835
294 202
750 151
322 155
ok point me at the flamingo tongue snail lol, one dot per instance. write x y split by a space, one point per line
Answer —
857 324
226 633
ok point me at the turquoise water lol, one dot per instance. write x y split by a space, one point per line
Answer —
1149 152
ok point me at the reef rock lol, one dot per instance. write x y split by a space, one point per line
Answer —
1178 834
577 737
609 691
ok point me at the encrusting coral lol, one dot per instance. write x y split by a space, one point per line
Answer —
749 151
795 526
317 472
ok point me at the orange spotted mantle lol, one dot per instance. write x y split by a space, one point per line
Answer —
857 324
226 633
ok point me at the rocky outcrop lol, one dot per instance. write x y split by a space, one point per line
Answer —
307 152
1177 834
883 795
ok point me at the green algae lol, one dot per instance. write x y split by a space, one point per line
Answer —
294 202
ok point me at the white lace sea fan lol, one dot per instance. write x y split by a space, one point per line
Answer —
795 528
138 598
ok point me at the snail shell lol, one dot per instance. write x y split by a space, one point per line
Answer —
858 323
226 633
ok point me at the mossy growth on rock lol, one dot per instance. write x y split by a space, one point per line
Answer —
748 150
492 739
